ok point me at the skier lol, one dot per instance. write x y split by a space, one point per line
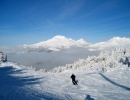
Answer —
73 79
124 52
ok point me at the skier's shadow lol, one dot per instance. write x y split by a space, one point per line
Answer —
76 81
88 97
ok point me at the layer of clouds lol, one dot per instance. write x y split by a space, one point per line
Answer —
45 60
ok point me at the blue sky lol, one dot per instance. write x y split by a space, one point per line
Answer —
32 21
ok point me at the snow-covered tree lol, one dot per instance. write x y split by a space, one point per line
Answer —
1 57
104 62
5 59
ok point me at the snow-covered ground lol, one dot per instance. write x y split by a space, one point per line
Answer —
20 83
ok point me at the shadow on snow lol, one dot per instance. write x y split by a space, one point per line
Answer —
88 97
114 83
8 78
13 86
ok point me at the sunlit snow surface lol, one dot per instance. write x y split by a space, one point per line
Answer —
22 83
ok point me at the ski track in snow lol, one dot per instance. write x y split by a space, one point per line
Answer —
20 83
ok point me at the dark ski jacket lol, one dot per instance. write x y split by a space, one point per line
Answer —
73 77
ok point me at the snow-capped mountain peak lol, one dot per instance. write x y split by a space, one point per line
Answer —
115 42
59 42
119 39
59 37
81 40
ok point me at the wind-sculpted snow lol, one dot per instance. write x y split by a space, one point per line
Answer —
104 62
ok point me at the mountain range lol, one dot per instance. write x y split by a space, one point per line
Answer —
58 43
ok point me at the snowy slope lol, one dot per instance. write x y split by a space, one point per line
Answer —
58 43
23 83
115 42
20 83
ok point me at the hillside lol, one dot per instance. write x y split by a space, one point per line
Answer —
24 83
